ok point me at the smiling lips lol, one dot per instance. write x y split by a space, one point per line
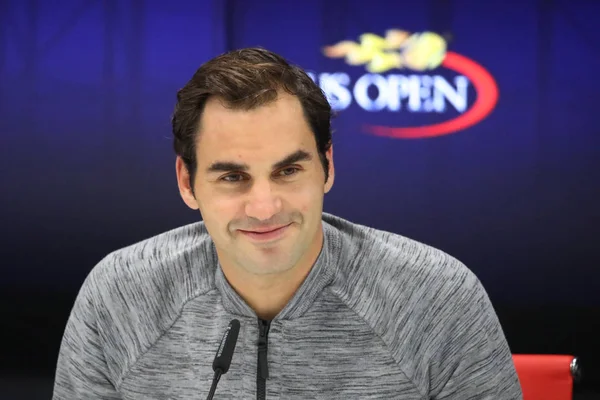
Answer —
266 233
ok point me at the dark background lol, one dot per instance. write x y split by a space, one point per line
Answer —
86 166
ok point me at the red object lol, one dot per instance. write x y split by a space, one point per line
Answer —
546 377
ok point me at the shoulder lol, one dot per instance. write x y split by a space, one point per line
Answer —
389 265
137 292
418 299
181 256
399 286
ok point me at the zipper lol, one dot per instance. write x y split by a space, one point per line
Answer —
262 373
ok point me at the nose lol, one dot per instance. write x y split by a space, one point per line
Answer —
262 202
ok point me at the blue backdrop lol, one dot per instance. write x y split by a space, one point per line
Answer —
87 88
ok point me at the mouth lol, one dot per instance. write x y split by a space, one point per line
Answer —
266 233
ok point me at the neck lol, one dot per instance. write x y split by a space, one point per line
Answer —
268 294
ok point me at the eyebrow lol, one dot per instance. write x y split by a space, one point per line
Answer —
227 166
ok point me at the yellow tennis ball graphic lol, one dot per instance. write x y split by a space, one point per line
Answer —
383 62
424 51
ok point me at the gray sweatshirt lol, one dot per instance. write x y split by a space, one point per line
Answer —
379 316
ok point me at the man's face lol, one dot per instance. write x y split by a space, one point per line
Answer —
259 185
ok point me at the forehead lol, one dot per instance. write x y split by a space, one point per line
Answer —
261 134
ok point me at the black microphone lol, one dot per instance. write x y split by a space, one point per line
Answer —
224 354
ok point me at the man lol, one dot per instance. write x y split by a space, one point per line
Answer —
328 309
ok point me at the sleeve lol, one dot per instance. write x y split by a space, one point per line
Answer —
474 361
82 371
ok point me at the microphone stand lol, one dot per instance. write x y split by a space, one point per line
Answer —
211 393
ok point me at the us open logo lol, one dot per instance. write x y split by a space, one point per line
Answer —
409 73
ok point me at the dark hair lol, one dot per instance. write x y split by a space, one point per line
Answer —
246 79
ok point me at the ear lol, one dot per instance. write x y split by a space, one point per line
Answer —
185 186
331 178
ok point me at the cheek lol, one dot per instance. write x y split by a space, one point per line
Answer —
224 209
306 199
217 209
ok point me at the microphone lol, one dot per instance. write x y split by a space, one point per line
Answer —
224 354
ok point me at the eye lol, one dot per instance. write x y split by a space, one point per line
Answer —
289 171
232 178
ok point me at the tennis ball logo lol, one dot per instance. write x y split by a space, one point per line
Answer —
398 49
